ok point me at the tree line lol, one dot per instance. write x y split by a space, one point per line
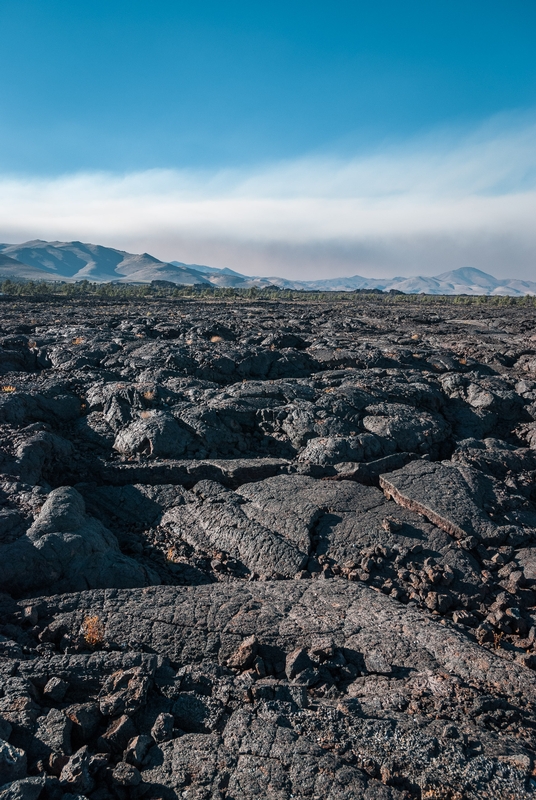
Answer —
116 291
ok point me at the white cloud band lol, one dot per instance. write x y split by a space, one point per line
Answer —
428 206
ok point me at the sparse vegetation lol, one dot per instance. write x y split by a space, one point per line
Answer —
93 631
122 292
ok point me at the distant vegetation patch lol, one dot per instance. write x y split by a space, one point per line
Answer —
159 289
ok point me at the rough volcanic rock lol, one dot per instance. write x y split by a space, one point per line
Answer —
382 664
216 519
270 549
452 497
68 550
155 434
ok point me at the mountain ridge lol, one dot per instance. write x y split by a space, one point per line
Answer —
38 259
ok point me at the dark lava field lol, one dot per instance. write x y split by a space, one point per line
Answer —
267 550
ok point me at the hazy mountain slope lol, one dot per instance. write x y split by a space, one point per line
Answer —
68 259
208 270
236 282
11 268
145 268
226 277
469 276
523 287
469 280
334 284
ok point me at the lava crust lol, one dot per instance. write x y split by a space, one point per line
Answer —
258 549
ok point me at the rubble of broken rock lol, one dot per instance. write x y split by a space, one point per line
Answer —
267 549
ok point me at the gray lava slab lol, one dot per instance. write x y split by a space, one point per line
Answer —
451 497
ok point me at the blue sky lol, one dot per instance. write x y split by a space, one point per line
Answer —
186 115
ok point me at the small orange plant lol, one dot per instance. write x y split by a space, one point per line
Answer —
9 388
93 631
171 554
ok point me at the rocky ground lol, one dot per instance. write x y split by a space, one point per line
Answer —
267 550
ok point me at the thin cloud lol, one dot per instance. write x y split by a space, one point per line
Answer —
475 198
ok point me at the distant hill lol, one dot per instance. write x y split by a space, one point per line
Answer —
465 280
75 261
227 277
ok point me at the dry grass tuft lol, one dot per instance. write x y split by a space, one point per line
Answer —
171 555
93 631
441 793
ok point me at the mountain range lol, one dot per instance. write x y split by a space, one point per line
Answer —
76 261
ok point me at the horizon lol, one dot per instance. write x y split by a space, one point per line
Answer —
75 261
293 140
181 263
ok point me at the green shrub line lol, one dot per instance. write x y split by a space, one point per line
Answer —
116 291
